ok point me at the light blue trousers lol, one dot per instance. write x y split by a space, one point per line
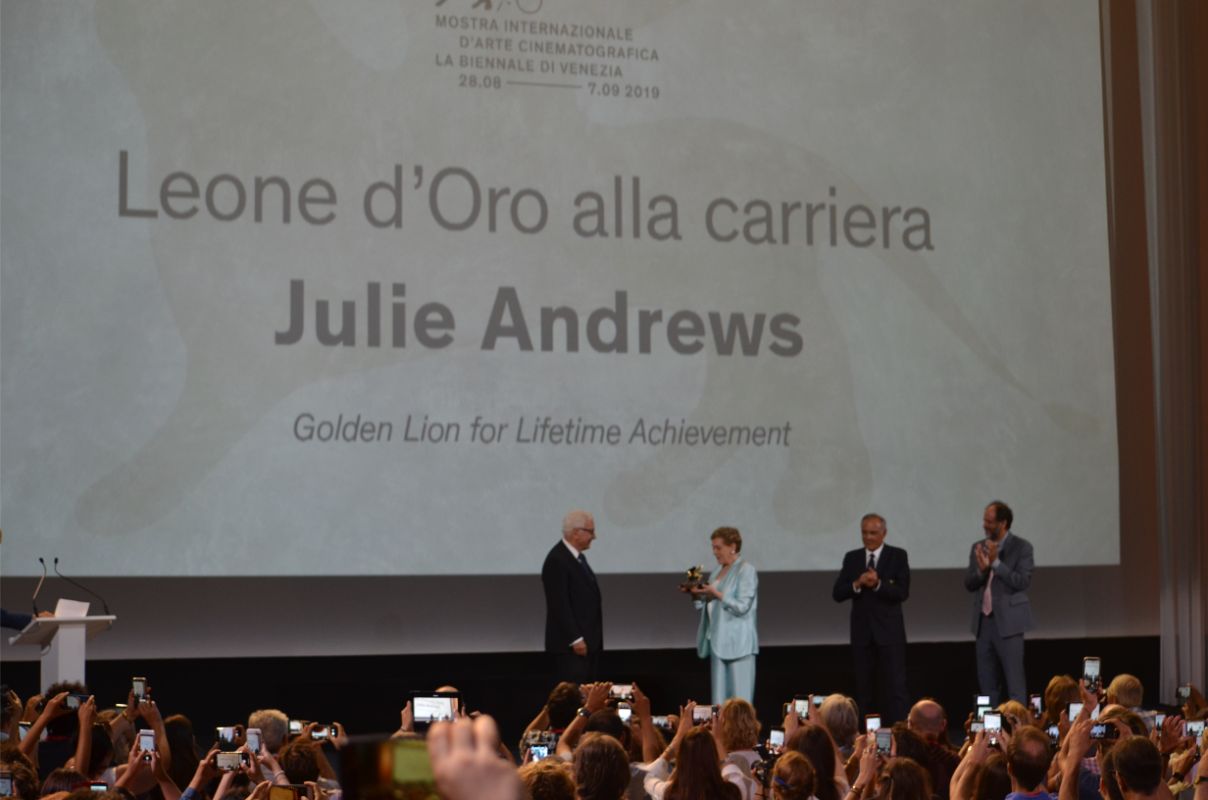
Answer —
733 678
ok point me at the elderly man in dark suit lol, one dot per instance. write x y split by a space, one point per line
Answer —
876 578
999 574
574 622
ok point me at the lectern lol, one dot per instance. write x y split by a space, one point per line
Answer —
63 641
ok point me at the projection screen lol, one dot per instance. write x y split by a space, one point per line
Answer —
303 288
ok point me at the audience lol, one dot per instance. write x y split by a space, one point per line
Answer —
1123 754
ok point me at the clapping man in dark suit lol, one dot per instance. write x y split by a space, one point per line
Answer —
574 622
999 574
876 578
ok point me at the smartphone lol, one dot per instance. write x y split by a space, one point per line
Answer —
977 727
801 705
74 701
321 733
1193 729
146 740
661 722
1090 672
993 723
776 739
139 687
982 710
538 752
884 740
1054 733
1104 730
295 727
252 735
1158 721
22 730
225 735
1034 702
702 714
819 699
6 783
621 691
228 762
980 700
98 786
277 792
872 722
1074 710
1184 692
624 712
429 707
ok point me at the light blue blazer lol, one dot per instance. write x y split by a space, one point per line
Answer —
730 632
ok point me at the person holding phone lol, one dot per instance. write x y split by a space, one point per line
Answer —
727 634
998 577
876 579
574 620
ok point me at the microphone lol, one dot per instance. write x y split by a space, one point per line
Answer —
34 600
81 586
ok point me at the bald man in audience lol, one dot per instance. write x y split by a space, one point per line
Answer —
928 719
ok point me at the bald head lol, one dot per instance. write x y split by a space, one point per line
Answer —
927 719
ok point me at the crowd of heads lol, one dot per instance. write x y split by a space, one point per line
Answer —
592 742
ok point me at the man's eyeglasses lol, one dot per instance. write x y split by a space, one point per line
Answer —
592 531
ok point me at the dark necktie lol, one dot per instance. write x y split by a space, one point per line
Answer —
583 563
872 560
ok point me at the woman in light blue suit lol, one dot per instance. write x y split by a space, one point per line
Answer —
727 635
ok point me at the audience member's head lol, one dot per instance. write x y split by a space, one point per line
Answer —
903 779
65 724
183 747
697 773
813 742
564 701
839 715
608 721
1125 690
549 779
1109 787
792 777
1138 766
993 782
299 761
1016 713
1130 718
273 725
100 757
64 780
601 768
1061 691
928 719
25 779
739 725
909 744
1028 758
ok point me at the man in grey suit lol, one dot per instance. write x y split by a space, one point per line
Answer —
1000 571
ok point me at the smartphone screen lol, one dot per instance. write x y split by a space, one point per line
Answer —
981 700
225 735
139 687
981 711
1074 710
1184 692
227 762
253 739
6 784
992 721
702 714
884 740
977 727
98 786
538 752
410 768
802 706
776 737
146 740
819 699
282 793
660 722
624 712
1034 702
432 708
621 691
295 727
1159 720
872 722
1090 668
1054 734
1193 729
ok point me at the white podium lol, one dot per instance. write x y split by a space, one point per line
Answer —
63 641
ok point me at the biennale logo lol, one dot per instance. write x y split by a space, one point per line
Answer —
526 6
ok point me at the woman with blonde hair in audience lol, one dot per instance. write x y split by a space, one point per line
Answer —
792 778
